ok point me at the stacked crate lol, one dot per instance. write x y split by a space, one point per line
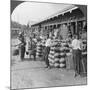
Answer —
62 54
68 49
69 57
39 50
57 56
51 56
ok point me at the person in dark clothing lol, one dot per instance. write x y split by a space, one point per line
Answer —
33 51
22 49
32 48
47 50
77 61
22 46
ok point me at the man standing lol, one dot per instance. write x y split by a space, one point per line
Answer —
22 46
76 45
32 48
47 50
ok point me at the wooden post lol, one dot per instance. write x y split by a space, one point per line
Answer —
76 27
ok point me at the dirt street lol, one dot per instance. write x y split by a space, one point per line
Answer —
33 74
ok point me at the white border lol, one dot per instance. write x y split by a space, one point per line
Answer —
5 44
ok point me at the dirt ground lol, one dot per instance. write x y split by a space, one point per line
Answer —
33 74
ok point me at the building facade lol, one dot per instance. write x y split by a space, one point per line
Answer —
70 21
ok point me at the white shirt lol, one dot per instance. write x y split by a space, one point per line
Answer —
27 43
48 42
35 40
76 44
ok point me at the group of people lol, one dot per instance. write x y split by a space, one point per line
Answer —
26 47
21 46
75 44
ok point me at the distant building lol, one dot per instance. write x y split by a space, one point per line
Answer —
15 32
16 28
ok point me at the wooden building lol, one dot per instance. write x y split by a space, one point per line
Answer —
72 20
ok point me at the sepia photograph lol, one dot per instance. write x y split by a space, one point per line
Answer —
48 44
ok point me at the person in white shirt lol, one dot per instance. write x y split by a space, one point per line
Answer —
48 42
76 46
47 50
